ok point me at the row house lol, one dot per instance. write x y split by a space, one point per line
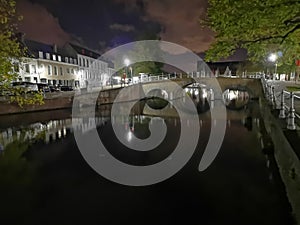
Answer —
49 64
72 65
93 70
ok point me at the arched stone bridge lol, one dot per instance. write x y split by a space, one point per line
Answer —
253 86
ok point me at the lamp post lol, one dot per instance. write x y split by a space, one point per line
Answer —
127 63
273 58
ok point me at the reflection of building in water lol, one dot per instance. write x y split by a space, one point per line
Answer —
50 131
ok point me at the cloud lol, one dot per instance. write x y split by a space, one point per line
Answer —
180 21
39 24
122 27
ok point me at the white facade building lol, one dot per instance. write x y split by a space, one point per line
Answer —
72 65
94 72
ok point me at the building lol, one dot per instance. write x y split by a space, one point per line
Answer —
49 64
94 71
71 65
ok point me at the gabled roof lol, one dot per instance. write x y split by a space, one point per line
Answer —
33 48
85 51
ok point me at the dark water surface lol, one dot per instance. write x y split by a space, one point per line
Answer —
46 180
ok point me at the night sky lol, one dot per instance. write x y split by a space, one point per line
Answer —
103 24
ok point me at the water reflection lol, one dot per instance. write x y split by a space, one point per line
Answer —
40 186
235 98
47 131
157 99
199 95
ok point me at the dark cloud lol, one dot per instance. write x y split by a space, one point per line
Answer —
39 24
122 27
118 21
180 19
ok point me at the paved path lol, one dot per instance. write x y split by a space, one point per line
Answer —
281 85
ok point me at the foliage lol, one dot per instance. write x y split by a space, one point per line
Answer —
260 26
142 51
11 52
249 66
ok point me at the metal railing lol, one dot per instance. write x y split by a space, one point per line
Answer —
284 101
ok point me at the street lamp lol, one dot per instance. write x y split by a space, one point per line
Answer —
127 63
273 58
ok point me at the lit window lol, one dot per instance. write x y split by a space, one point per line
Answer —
66 59
49 70
47 56
59 58
54 57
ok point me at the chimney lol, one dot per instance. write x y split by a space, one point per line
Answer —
55 48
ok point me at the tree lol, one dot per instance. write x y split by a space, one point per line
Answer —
260 26
11 52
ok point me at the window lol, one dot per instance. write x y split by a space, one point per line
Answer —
47 56
41 55
66 59
72 71
68 70
49 70
54 57
60 70
80 61
43 80
84 62
27 68
59 58
71 60
55 70
33 69
16 67
87 63
75 61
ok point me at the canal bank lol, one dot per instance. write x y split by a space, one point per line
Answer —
64 100
286 144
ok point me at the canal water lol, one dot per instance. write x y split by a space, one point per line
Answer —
45 180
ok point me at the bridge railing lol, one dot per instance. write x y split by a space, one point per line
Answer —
287 102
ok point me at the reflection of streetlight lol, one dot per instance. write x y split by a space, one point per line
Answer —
273 58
